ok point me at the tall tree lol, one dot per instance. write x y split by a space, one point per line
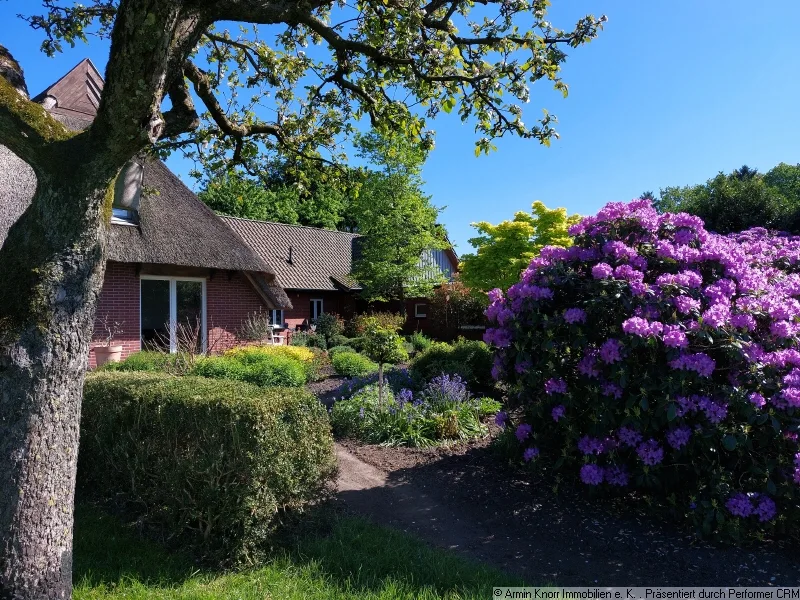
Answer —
396 221
740 200
503 251
433 54
237 196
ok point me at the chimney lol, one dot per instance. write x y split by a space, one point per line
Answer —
291 252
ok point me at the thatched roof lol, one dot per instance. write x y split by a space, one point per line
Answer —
173 227
303 258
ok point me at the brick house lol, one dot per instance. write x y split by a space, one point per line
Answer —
313 266
174 269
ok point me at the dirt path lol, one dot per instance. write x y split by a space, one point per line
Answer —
368 491
462 500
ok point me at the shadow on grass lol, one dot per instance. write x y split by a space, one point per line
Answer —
325 554
106 553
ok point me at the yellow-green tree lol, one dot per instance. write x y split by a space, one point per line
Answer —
504 250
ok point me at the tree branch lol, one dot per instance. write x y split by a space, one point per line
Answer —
182 117
202 88
26 128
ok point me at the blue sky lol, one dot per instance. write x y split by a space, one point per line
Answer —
669 94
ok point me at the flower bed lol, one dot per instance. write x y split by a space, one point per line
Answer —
656 355
443 410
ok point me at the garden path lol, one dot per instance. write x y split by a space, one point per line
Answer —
462 499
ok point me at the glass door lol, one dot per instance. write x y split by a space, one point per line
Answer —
316 309
155 309
189 315
173 314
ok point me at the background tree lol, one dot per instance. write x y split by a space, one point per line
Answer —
503 251
740 200
237 196
367 57
317 197
397 222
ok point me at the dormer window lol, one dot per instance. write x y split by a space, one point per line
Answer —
123 216
127 193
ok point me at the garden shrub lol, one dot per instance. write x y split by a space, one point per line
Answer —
384 320
655 355
213 463
329 325
143 361
220 367
348 364
277 371
443 411
265 369
340 350
471 360
419 341
309 339
248 354
339 340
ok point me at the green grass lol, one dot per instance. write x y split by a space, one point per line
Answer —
353 559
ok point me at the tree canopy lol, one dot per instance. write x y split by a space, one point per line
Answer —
397 222
741 199
503 251
226 81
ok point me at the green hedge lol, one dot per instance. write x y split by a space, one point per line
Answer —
349 364
340 350
213 462
143 361
267 371
472 360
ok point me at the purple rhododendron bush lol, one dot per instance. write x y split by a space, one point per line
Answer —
657 356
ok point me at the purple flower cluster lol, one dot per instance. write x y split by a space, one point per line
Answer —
575 315
642 327
726 313
650 452
759 505
446 389
555 386
530 454
679 437
523 432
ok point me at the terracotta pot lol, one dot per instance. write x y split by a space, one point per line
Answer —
104 354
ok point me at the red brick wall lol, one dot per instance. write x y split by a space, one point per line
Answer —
229 299
341 303
228 302
119 301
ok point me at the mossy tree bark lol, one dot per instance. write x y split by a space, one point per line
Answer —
51 272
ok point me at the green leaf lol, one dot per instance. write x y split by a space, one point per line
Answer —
671 412
449 104
729 442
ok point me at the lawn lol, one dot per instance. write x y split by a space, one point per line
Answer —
353 559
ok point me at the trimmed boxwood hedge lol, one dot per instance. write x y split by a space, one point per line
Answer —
349 364
213 462
471 360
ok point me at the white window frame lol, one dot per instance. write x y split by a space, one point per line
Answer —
320 311
417 314
273 316
173 309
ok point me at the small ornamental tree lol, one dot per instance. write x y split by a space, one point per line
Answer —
655 355
384 346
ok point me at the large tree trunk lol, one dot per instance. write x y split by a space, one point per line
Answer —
51 272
